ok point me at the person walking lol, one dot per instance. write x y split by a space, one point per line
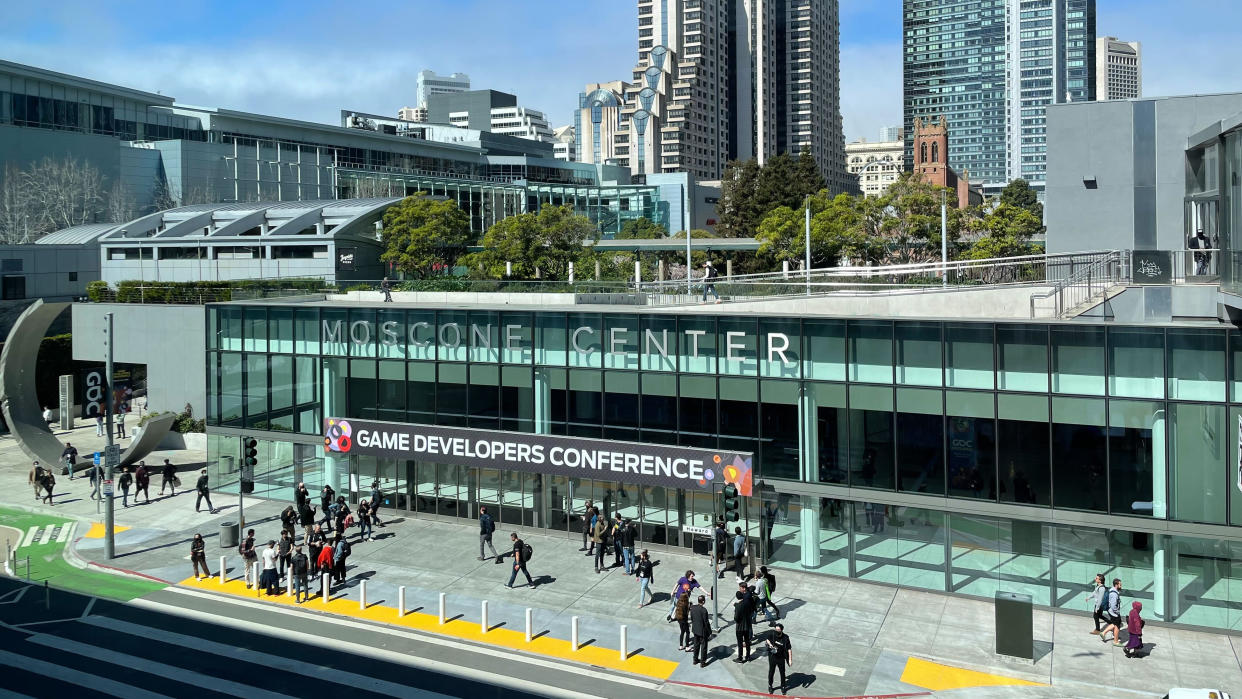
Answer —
780 655
646 578
48 482
120 421
520 555
284 552
685 584
339 514
766 586
168 478
599 539
126 481
743 609
36 479
386 287
739 553
629 535
486 527
70 457
588 525
709 281
204 493
1099 602
1113 615
1134 629
701 627
326 498
298 566
99 426
681 612
270 579
96 477
198 556
364 521
376 499
249 557
142 481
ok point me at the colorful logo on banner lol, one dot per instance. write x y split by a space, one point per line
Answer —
737 473
339 437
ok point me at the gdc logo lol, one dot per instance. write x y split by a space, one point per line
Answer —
93 393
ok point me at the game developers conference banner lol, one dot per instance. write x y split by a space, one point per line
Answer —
576 457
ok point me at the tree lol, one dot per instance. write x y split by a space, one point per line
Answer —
907 219
641 228
121 205
535 246
836 232
738 209
807 179
1019 194
424 236
1006 232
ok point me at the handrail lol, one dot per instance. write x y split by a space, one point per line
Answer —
1100 274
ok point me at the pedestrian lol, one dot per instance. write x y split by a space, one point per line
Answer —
284 551
142 481
376 499
99 426
340 514
719 535
288 520
341 550
739 553
615 532
297 575
323 562
47 415
1099 602
70 457
300 496
780 655
364 521
646 578
315 543
521 552
487 525
270 580
120 421
249 557
743 603
386 287
96 476
198 556
48 482
709 281
36 479
203 492
681 611
588 526
629 535
599 540
326 498
701 627
127 480
685 584
766 586
1134 628
168 478
1200 244
1112 616
306 517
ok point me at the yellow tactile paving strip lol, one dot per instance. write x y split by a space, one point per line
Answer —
97 530
937 677
593 654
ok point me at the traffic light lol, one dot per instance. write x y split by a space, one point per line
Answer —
729 502
250 459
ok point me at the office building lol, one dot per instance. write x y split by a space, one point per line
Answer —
520 122
1118 69
991 69
875 165
418 114
565 143
598 124
429 84
890 133
489 110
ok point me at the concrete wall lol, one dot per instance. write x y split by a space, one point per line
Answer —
169 340
988 302
1135 150
46 268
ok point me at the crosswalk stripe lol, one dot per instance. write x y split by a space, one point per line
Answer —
66 531
30 535
195 679
278 662
10 694
82 679
46 536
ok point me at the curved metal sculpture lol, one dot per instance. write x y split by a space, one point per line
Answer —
19 401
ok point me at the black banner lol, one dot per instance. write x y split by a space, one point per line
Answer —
576 457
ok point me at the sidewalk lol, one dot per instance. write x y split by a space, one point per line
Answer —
849 637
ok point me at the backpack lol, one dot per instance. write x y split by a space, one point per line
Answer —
348 550
349 521
526 552
1103 605
771 579
1107 606
489 525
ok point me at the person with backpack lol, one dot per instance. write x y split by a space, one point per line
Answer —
126 481
198 556
646 578
743 609
297 575
709 281
487 526
341 551
36 479
1099 602
249 557
376 499
203 492
1113 615
142 479
629 535
766 587
521 554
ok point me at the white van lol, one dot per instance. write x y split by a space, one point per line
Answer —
1196 694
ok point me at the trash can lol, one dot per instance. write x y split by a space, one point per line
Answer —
228 535
701 545
1015 625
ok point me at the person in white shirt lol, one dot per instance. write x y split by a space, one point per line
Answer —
270 579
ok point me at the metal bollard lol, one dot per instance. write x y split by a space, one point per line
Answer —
483 617
47 595
27 568
289 582
326 589
223 566
625 652
441 609
573 634
401 600
362 594
530 624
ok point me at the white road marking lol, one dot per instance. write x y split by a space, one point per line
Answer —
82 679
30 535
830 670
9 694
278 662
66 531
172 672
46 536
400 657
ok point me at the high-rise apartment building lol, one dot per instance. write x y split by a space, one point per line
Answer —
991 68
598 123
719 80
1118 69
891 133
429 84
565 143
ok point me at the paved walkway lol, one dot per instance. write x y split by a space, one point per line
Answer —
850 637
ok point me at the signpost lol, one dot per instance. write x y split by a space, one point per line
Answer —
109 408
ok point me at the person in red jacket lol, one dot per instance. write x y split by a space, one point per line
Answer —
325 562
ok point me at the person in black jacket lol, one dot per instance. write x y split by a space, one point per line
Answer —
780 654
300 496
326 498
629 535
198 556
743 608
203 492
701 627
306 517
297 578
288 520
126 481
70 457
169 477
646 578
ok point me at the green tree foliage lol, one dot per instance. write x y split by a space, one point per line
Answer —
539 246
739 210
836 232
748 192
1005 231
641 228
424 236
1019 194
906 219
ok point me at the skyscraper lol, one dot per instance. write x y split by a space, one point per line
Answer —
1118 69
721 80
991 68
431 84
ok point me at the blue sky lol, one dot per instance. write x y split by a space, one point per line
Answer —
310 59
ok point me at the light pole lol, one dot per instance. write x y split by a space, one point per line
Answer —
944 239
808 245
109 399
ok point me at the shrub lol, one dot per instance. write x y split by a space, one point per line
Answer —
98 291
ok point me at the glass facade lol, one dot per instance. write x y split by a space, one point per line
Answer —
935 446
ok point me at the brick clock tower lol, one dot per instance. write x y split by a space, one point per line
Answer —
931 158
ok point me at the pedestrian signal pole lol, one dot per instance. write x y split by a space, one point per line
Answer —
250 458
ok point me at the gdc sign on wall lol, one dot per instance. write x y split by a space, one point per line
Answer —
575 457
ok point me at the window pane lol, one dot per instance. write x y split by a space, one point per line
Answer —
585 403
739 344
968 356
280 328
697 411
552 341
780 349
871 437
1132 457
825 349
516 336
971 444
362 333
1196 365
586 340
1022 446
739 415
256 329
256 389
871 351
485 336
1079 454
517 399
918 354
697 340
452 338
620 341
392 333
451 395
920 451
420 335
1200 473
1136 362
484 396
990 555
392 391
282 382
832 431
420 392
658 346
1078 360
1023 354
779 430
230 388
363 389
621 400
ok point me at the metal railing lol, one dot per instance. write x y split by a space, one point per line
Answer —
1085 284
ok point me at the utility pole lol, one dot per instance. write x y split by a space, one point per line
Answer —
109 464
944 239
808 245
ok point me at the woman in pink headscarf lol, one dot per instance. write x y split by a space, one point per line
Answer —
1134 625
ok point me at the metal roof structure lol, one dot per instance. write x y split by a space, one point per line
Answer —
76 235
